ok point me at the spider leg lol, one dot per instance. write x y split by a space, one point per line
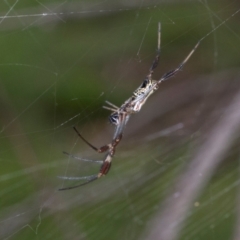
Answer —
174 71
106 163
111 104
113 107
109 108
100 150
105 167
91 179
77 178
83 159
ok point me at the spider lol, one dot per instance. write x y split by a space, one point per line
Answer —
120 116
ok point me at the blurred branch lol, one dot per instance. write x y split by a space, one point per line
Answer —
169 221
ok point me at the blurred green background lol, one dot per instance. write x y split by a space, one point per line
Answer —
60 61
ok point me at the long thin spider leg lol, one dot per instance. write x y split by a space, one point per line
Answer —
113 107
156 60
95 177
174 71
109 108
77 178
83 159
111 104
100 150
106 165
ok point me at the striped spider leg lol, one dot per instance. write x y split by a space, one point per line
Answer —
106 163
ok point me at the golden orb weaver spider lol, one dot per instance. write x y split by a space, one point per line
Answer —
120 116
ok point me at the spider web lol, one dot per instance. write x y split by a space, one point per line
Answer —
60 61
